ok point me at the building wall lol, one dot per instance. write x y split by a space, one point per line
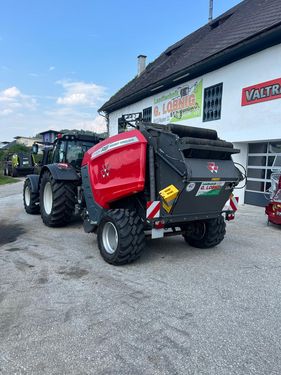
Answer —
27 141
49 137
238 124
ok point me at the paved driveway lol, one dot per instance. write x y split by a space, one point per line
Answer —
178 310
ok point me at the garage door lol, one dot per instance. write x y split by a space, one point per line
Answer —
260 160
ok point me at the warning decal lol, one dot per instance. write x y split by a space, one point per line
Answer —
210 188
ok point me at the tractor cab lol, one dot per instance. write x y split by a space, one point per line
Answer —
70 149
67 149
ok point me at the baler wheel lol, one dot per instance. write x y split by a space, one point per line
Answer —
121 236
30 200
57 201
209 234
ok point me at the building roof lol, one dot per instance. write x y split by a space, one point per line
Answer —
49 131
249 27
23 137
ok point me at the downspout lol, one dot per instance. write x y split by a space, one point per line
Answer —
106 116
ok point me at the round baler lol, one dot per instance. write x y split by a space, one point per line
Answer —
157 181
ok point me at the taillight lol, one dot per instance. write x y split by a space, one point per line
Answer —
276 206
159 224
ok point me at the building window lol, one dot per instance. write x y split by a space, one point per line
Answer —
147 114
212 102
261 157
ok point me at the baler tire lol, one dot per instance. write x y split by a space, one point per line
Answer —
129 236
214 234
31 205
63 201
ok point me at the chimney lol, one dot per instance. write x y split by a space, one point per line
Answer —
141 64
210 10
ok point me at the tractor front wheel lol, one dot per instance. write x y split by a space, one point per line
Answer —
121 236
207 233
57 201
30 199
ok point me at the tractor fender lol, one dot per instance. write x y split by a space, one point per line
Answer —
34 182
61 173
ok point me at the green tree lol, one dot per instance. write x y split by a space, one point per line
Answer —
18 148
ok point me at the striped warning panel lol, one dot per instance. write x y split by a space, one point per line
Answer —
153 209
234 202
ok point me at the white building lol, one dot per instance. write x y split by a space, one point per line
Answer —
225 76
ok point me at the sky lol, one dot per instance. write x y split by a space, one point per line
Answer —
60 60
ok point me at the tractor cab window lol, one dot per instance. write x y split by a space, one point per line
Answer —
75 152
59 154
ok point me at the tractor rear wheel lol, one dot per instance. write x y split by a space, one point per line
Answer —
57 201
30 199
120 236
208 233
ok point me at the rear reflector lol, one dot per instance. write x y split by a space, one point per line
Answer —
159 224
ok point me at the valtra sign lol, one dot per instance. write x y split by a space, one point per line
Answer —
262 92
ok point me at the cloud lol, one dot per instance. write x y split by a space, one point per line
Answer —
81 94
98 125
33 74
12 100
51 68
75 108
11 92
70 118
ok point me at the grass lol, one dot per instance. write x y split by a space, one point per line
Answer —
7 180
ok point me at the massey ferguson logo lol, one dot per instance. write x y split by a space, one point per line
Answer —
213 167
105 170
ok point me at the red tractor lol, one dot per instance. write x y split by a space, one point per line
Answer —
153 181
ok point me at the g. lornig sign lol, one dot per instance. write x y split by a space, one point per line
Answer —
262 92
181 103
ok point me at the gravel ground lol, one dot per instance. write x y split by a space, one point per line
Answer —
178 310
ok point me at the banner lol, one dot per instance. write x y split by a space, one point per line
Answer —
182 103
261 92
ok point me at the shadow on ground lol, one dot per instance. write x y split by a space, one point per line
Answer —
10 232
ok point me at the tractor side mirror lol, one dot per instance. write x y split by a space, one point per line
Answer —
35 149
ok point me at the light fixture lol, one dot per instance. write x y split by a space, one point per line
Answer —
156 88
185 75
